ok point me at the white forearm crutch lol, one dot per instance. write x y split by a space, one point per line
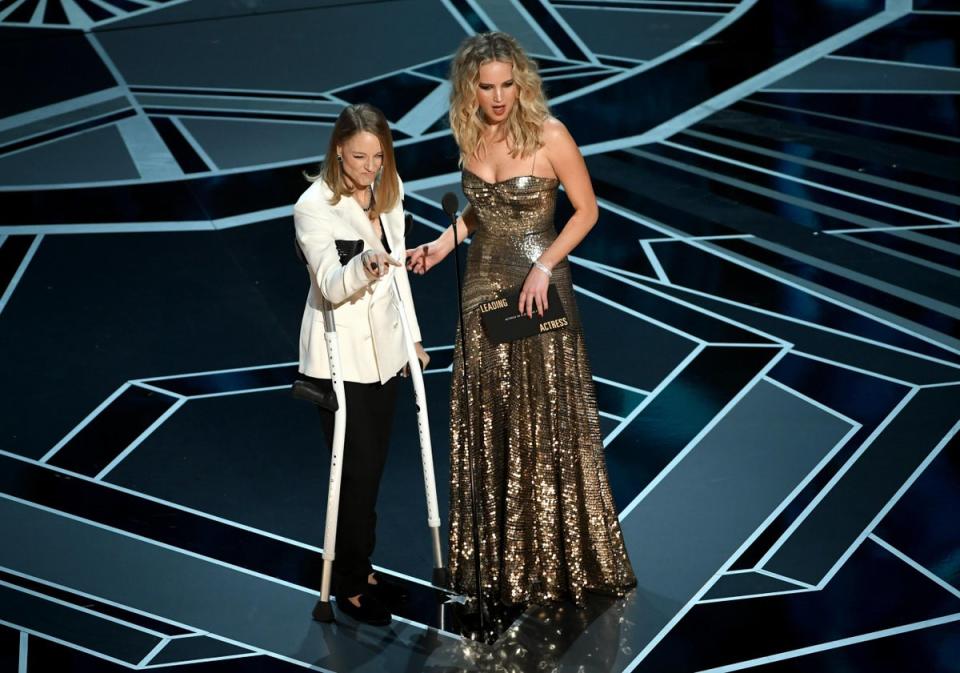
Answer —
423 429
322 611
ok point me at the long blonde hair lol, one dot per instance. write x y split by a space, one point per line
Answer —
352 120
525 124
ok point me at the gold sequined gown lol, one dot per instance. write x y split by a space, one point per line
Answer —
548 524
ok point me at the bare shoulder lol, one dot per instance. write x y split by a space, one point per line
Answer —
555 133
558 145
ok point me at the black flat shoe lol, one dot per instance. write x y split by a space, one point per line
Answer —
387 592
371 611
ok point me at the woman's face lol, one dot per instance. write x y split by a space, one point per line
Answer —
496 91
362 158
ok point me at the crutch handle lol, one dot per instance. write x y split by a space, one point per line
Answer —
311 392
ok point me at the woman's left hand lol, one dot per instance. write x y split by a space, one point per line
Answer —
422 355
533 294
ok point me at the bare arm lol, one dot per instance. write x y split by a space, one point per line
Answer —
423 258
567 162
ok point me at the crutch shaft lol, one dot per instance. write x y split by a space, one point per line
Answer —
336 459
423 429
325 580
437 553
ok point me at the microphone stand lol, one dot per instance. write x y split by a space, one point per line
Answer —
449 202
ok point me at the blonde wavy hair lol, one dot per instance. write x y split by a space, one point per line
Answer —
352 120
525 123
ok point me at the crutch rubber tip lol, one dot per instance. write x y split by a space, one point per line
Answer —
323 612
441 578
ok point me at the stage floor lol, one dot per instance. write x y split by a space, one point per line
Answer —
771 302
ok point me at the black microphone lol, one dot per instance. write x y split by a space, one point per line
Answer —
450 202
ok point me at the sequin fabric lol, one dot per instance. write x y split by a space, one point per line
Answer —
548 526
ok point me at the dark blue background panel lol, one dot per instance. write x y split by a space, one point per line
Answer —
747 584
815 548
13 253
708 505
837 347
124 326
718 274
931 317
917 38
931 113
803 162
936 648
860 397
239 606
62 65
212 10
767 33
923 523
45 655
650 303
213 383
197 647
90 155
37 614
908 146
115 428
9 648
853 146
651 33
244 52
875 591
221 542
395 94
64 596
678 414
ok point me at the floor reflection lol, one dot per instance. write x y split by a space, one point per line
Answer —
539 639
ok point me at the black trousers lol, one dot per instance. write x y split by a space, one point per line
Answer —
370 408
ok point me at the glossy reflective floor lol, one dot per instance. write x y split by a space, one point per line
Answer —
771 300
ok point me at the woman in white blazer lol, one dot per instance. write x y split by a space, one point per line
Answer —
347 223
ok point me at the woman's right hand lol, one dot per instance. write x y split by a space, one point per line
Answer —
376 264
424 257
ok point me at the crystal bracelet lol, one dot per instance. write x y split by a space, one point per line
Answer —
543 267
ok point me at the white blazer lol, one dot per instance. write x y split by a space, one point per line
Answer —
368 320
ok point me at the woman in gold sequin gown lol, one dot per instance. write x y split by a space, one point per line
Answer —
529 427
